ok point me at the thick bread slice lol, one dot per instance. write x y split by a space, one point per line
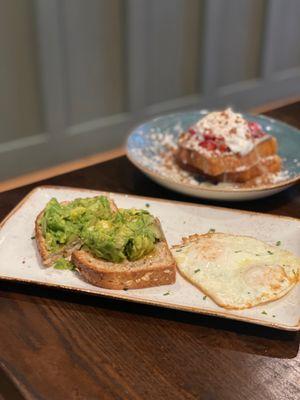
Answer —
49 258
227 163
158 268
155 269
264 167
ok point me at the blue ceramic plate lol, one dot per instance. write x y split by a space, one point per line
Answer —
148 148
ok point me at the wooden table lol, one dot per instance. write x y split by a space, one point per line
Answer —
60 345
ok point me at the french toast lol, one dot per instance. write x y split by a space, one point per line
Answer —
226 147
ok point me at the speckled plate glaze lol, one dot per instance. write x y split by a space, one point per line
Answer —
19 259
146 143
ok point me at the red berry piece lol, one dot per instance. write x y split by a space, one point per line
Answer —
254 126
209 145
258 134
208 135
223 147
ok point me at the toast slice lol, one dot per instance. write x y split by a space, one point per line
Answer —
155 269
218 165
49 258
265 166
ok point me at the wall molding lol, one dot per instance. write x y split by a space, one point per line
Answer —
23 143
99 123
60 169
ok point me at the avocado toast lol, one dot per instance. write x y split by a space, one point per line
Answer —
110 248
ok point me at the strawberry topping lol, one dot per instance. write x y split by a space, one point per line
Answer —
208 144
208 135
224 132
223 147
254 126
256 130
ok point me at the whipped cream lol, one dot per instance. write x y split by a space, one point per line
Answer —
228 126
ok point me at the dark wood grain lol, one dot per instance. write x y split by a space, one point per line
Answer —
59 345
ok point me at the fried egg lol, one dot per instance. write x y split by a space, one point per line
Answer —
236 272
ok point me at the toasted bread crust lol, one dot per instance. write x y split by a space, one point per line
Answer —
218 165
48 258
163 273
265 166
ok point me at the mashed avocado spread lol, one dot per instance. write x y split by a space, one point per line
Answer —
129 234
114 236
62 263
62 223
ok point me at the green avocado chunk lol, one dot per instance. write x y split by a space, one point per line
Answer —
62 223
62 263
129 234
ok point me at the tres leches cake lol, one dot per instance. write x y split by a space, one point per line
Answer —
225 147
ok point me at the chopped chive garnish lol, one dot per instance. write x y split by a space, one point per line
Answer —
278 243
264 312
147 205
32 237
178 250
204 297
197 270
273 316
212 230
166 294
270 252
238 251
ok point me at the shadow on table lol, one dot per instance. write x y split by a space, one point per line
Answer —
211 332
144 186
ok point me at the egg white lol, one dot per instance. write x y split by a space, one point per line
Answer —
236 272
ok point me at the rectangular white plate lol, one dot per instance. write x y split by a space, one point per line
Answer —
19 260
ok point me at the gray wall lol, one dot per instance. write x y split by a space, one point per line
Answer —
75 75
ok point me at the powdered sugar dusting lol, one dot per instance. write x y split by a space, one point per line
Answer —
280 176
296 162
